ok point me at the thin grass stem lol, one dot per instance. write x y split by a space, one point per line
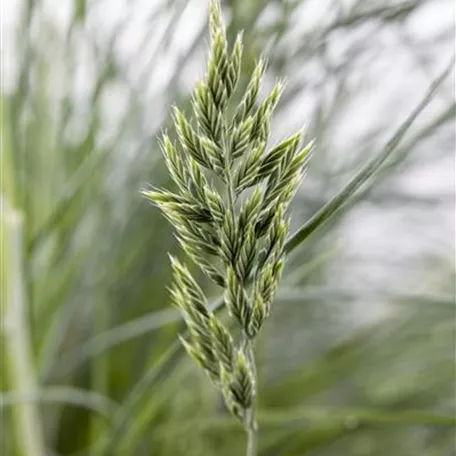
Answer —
251 419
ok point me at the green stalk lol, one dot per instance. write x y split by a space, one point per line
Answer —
250 423
27 432
251 420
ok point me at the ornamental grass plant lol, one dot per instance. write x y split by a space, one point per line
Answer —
340 284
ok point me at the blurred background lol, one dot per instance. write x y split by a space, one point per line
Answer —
358 357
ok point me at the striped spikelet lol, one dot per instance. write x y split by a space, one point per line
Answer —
236 236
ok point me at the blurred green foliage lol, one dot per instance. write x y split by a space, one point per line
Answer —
359 356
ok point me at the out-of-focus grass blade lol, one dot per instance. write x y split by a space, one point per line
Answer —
366 173
54 316
74 188
343 417
137 397
80 10
116 336
318 293
130 439
65 395
351 417
325 425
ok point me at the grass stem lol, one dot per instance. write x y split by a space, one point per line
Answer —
251 421
28 438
